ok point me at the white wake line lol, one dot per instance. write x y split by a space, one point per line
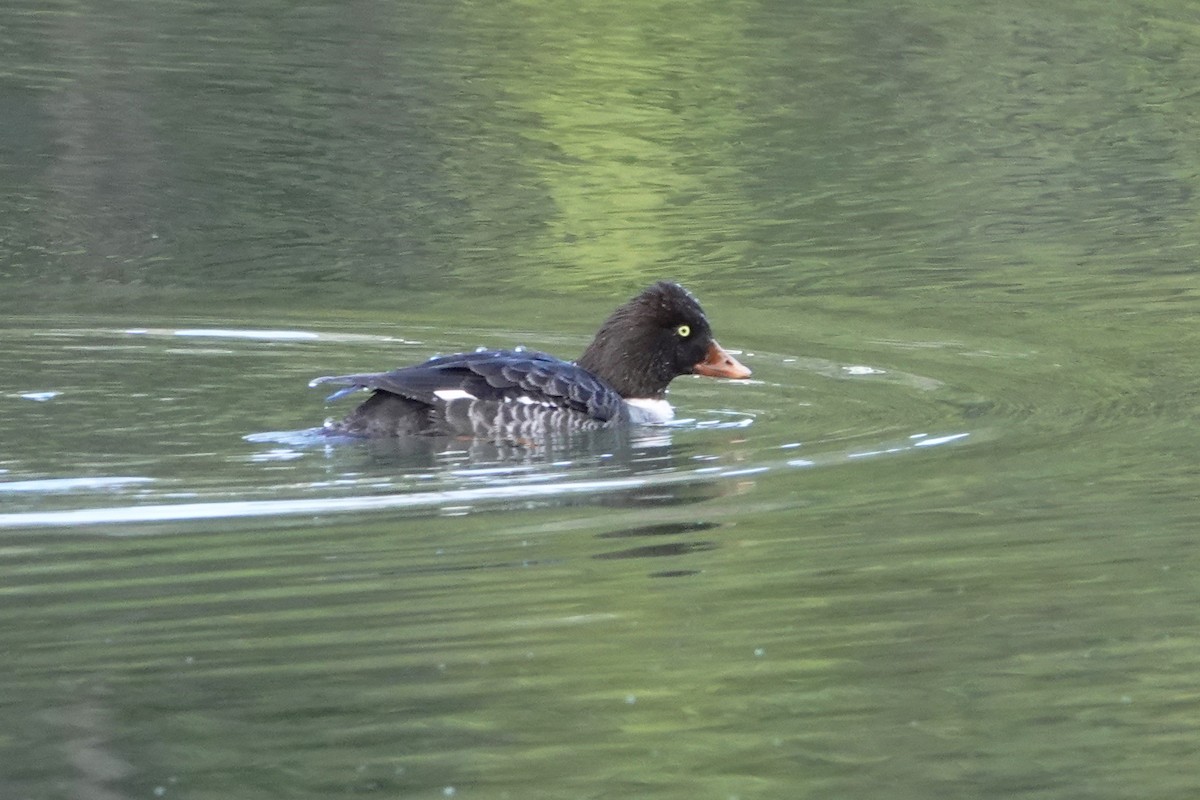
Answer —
175 512
242 509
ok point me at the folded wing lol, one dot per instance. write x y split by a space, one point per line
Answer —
502 376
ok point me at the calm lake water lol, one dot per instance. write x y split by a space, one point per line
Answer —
942 544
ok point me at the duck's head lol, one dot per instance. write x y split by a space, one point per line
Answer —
658 335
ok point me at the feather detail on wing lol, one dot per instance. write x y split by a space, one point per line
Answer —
525 377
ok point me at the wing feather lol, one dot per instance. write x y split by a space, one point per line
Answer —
495 375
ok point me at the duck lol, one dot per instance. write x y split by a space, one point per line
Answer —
523 395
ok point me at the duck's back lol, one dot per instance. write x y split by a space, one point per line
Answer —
497 394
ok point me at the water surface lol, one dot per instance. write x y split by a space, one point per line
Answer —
940 544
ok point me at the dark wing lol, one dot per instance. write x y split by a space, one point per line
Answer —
495 375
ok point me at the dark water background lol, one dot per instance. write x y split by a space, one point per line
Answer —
943 544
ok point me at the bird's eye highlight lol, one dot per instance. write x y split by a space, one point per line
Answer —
684 331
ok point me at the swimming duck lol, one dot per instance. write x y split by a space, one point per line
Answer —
518 395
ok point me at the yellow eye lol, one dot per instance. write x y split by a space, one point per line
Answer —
684 331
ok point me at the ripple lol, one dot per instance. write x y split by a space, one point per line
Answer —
463 500
136 400
258 334
58 485
39 397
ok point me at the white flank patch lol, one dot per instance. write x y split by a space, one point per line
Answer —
453 394
647 410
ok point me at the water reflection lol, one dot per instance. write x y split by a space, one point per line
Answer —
642 477
155 385
942 546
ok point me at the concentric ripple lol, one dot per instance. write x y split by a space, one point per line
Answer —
152 424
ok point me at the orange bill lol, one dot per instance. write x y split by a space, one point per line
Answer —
719 364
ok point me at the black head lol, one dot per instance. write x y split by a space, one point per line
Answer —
658 335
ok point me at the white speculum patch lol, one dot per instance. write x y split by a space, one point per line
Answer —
526 400
452 394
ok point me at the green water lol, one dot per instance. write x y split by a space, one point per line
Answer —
941 545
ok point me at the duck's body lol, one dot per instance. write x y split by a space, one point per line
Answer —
502 394
516 395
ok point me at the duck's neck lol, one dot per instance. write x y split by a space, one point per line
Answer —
632 371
